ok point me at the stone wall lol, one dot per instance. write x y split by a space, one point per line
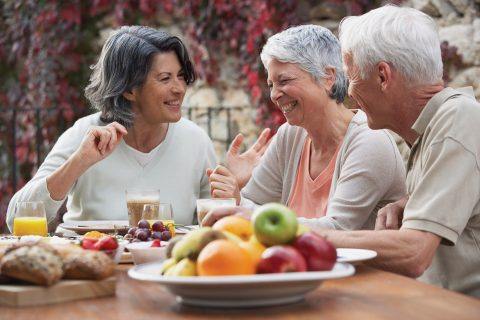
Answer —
459 24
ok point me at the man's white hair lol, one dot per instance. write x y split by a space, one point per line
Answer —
405 38
313 48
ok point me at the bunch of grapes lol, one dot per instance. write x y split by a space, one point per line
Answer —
145 232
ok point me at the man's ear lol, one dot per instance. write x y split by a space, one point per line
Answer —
385 76
329 80
130 95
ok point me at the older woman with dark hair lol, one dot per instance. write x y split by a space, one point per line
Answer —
137 140
324 163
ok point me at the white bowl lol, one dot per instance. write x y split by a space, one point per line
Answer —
240 291
142 252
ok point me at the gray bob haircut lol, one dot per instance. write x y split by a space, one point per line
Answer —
313 48
123 65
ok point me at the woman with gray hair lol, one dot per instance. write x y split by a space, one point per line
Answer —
138 139
324 163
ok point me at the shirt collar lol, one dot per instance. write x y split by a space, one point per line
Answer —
434 103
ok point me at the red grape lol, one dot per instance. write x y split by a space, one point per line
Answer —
166 236
143 224
156 235
158 226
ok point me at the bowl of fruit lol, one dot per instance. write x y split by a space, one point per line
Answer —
110 245
268 260
148 242
147 251
146 232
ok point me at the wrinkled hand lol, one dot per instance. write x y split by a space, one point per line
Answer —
99 143
223 184
390 217
218 213
242 165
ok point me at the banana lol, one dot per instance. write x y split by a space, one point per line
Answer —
184 268
302 229
232 237
167 265
171 245
210 236
189 245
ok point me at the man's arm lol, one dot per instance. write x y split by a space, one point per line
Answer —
406 251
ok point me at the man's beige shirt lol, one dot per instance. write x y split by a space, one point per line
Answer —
443 181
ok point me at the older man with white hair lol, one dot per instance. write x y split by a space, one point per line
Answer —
392 58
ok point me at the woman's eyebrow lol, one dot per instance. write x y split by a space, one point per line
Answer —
163 73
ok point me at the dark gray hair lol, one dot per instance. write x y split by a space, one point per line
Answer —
123 65
313 48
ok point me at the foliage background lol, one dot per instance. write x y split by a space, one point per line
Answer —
46 48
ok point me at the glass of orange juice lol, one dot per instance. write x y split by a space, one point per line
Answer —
160 212
30 219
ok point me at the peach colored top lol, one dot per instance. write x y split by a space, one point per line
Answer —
310 196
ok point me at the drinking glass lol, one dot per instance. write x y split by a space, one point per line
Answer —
136 200
30 219
160 212
205 205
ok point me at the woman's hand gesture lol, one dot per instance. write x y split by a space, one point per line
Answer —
223 183
99 143
242 165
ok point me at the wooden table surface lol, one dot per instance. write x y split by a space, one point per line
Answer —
369 294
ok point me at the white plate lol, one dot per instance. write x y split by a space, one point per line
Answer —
354 255
109 226
185 229
240 291
105 226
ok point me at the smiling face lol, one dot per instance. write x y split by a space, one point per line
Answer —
160 98
367 94
295 92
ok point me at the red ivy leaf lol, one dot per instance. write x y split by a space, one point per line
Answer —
71 14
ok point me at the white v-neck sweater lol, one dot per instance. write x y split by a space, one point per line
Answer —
177 170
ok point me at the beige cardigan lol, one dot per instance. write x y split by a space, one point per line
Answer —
369 173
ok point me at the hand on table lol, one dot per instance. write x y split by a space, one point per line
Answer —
218 213
242 165
390 217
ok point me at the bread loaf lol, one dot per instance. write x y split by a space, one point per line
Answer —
87 264
37 263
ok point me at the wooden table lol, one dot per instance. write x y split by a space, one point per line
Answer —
370 294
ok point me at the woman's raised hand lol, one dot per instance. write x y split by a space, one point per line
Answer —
99 143
242 165
223 184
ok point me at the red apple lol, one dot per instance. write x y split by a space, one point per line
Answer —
278 259
319 254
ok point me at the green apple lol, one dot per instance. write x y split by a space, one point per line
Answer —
274 224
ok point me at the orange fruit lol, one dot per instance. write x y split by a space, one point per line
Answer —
236 225
224 257
254 248
94 235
